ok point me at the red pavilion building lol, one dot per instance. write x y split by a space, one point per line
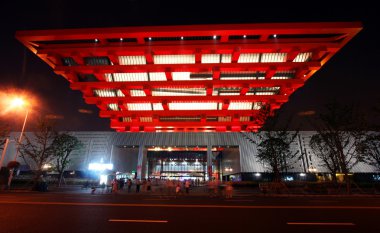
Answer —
200 78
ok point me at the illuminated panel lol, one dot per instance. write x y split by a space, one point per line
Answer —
146 119
210 78
139 106
113 107
273 57
193 106
108 93
240 106
249 58
178 92
245 118
137 93
283 75
181 76
303 57
210 58
157 76
126 119
226 58
224 119
126 77
174 59
157 107
132 60
243 75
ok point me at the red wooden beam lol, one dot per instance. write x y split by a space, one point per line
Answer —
224 67
192 30
197 49
207 124
270 72
216 73
174 113
187 99
189 84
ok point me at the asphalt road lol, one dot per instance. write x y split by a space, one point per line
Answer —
62 212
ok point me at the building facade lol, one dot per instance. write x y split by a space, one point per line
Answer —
185 155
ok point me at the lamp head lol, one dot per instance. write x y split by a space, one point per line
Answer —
17 102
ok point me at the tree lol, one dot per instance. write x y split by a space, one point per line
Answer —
339 131
274 150
63 145
370 150
38 148
274 143
323 152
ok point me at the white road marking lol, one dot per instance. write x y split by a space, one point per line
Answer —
138 220
157 199
240 200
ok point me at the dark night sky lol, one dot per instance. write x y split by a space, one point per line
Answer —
351 76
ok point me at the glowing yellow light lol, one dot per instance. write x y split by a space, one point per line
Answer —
17 102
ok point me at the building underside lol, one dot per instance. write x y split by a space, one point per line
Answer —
201 78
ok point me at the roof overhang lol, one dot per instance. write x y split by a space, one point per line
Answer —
188 78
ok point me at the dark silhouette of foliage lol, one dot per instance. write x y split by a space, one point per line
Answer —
63 145
370 149
339 132
37 149
273 143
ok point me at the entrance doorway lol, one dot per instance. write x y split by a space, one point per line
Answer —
177 163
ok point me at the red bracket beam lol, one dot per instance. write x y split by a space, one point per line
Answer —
174 113
228 67
187 99
207 124
296 83
197 49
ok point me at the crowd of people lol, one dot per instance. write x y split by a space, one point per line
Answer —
168 187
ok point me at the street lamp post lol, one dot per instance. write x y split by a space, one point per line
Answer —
21 134
4 152
18 102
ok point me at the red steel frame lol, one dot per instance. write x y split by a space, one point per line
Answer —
323 40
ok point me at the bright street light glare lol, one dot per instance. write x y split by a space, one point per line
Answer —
17 102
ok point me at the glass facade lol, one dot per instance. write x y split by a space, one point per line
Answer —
177 165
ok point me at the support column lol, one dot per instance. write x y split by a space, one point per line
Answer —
209 162
141 162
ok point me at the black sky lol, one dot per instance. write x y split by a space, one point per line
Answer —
351 76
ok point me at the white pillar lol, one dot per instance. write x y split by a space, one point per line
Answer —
209 162
141 163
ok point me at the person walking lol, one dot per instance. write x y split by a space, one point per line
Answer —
143 184
129 185
177 190
114 186
169 187
148 185
138 186
229 190
187 186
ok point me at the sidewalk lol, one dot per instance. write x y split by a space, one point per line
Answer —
200 191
